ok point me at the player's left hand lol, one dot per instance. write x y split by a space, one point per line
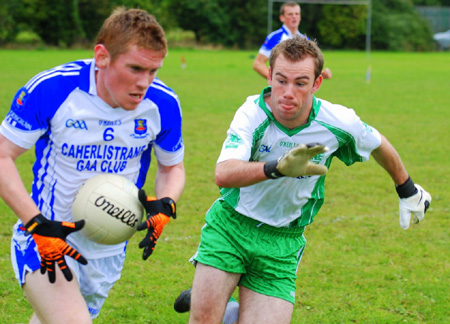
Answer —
159 212
417 205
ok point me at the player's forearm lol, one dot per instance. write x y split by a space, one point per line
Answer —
236 173
390 160
14 193
12 190
259 65
170 181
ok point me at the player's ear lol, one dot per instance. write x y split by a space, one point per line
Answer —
101 55
269 76
317 83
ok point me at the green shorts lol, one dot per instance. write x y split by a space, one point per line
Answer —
267 256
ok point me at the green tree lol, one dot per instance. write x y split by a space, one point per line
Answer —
8 29
397 26
344 26
228 22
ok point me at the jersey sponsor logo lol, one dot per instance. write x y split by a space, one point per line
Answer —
109 122
14 120
140 128
78 124
179 144
104 158
233 141
287 144
265 148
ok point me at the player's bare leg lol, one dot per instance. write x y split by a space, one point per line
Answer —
256 308
60 302
211 291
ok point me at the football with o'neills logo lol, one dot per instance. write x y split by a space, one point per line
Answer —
110 206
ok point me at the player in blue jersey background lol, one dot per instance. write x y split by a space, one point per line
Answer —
84 118
290 16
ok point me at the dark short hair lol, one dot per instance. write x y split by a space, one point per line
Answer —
296 49
124 28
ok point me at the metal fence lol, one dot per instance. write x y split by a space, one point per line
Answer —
437 17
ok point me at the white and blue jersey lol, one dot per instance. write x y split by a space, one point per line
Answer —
77 136
274 38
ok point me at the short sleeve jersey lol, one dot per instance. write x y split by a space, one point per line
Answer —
274 38
77 135
255 135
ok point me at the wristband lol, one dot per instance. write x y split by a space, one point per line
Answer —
271 171
406 189
34 223
171 207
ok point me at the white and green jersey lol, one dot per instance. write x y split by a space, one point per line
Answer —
255 135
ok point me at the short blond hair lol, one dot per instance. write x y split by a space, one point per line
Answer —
124 28
289 4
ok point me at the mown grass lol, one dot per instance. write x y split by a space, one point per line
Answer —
359 266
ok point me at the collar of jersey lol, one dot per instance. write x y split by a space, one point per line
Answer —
288 32
87 78
262 104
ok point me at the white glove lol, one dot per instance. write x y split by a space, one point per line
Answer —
417 204
296 162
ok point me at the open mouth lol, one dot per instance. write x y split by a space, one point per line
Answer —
136 96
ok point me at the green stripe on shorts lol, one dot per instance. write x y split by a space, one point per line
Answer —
266 256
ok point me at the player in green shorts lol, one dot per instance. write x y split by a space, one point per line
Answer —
272 184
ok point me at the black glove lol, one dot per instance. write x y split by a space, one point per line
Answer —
50 237
159 212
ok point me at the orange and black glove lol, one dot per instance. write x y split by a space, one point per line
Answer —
50 238
159 212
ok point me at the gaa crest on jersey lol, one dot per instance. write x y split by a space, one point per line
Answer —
140 128
367 127
21 96
233 141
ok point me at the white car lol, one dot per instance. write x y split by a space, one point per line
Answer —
443 39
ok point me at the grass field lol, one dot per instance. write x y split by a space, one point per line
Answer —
359 265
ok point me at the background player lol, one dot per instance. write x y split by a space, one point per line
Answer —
290 16
88 117
272 186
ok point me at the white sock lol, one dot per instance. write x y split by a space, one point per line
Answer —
231 313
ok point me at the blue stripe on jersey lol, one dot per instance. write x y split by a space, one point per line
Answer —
170 137
34 96
146 159
66 69
41 172
60 82
273 39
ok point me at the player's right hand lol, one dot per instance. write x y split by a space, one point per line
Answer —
50 238
296 162
416 205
